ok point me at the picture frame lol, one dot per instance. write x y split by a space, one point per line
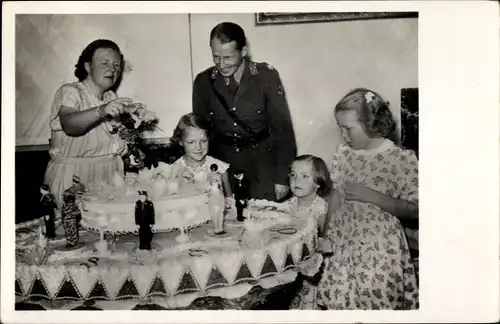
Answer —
280 18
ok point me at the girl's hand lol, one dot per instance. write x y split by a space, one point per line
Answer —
116 107
359 192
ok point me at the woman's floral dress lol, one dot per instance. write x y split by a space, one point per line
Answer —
371 266
306 296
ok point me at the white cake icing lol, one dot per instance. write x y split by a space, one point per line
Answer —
178 202
262 214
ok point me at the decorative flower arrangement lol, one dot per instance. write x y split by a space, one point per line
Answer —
130 128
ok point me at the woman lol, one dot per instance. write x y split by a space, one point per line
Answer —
83 142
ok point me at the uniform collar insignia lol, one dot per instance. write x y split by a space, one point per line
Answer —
214 72
252 67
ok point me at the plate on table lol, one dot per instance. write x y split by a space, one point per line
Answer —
229 232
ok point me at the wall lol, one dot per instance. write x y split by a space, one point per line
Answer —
320 62
48 46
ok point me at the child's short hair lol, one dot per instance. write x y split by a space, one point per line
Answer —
321 173
373 111
188 120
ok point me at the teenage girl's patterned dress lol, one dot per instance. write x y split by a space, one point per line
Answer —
371 266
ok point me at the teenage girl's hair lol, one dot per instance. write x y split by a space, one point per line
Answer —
373 112
321 173
188 120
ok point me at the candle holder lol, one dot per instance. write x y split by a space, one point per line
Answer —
183 237
102 245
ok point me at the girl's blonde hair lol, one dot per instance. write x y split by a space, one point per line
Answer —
373 112
188 120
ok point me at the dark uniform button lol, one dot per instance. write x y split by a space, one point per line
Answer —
234 124
234 108
258 111
211 113
237 149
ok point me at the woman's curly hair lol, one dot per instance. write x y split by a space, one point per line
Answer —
88 53
373 113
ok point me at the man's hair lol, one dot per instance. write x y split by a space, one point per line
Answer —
227 32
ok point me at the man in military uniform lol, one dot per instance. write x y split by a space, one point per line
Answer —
245 104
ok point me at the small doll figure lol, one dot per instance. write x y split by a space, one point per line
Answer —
70 217
241 194
76 190
145 219
47 207
214 176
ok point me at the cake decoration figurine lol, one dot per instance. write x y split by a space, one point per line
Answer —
70 217
145 219
241 194
216 204
214 176
77 189
47 211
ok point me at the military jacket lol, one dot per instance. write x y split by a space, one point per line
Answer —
260 103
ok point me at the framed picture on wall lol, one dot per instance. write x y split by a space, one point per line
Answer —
275 18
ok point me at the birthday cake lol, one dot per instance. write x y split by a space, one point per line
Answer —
180 201
195 268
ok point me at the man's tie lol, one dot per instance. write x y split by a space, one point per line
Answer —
232 86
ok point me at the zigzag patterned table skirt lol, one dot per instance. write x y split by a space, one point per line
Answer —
257 298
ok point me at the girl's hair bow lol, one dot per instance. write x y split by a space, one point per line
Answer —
369 96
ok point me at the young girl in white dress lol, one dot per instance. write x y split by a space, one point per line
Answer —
192 135
375 185
311 185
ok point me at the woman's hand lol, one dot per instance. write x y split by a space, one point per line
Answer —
359 192
137 109
116 107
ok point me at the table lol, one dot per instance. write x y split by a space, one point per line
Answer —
227 276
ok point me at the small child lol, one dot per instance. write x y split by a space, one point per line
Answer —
192 134
310 185
375 184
